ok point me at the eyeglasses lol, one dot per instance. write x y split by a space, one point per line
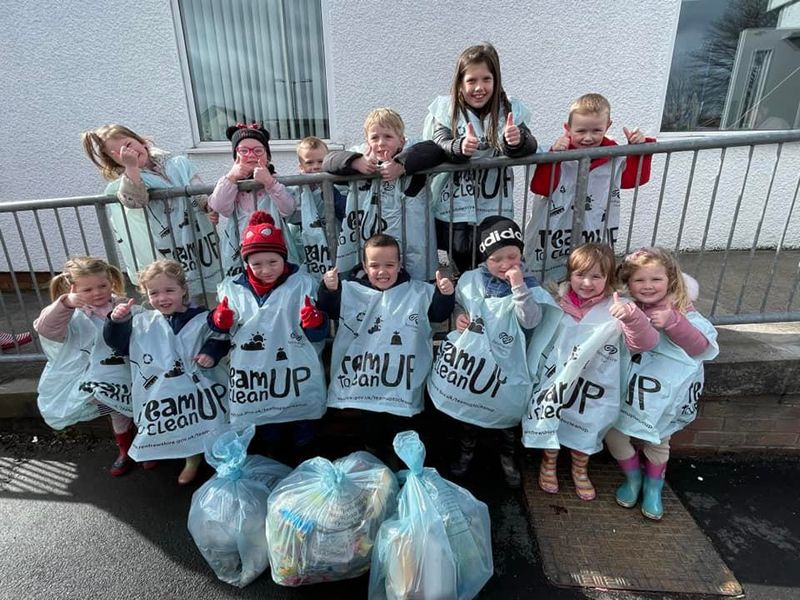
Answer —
243 151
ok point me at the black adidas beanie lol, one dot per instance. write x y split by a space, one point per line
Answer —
496 232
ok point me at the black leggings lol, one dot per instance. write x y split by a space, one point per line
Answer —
463 248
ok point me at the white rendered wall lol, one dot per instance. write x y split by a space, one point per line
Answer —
84 63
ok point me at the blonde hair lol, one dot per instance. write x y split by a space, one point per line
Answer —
589 104
645 257
385 117
474 55
82 266
585 257
310 143
165 266
94 145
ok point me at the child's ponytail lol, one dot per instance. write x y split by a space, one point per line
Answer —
59 285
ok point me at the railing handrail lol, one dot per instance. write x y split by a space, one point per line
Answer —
663 147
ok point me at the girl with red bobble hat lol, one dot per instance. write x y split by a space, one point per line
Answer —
276 334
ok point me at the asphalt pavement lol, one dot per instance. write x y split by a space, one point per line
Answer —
69 530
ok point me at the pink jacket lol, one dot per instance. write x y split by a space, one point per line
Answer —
54 319
638 333
679 330
226 196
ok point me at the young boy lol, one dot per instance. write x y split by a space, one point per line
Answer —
480 376
397 203
308 222
548 235
275 372
382 352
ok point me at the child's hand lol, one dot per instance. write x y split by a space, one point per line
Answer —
444 284
514 276
239 171
213 216
204 360
128 158
310 315
73 300
511 133
121 312
262 175
470 142
366 164
331 279
223 317
391 170
633 137
620 310
462 322
662 318
563 142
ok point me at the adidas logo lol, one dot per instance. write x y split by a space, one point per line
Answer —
497 236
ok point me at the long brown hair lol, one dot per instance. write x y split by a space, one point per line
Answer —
94 145
474 55
81 266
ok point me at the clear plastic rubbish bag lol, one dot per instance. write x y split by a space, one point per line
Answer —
323 518
228 512
438 545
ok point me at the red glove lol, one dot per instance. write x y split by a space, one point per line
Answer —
310 316
223 316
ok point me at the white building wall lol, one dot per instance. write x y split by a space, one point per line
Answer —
84 63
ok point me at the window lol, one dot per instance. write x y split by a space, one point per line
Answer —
736 65
256 60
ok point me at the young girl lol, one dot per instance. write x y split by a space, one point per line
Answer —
477 120
251 160
276 375
579 365
83 377
179 398
178 228
664 383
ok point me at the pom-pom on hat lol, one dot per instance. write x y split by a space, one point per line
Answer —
261 235
496 232
240 131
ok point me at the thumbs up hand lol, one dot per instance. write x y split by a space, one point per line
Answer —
469 144
633 136
444 284
563 142
511 133
122 312
331 279
310 316
620 310
223 317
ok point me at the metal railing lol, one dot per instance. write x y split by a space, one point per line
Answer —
725 203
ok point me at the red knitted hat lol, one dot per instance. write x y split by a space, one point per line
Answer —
261 235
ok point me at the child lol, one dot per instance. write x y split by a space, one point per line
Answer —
548 234
665 382
477 120
382 352
251 160
480 376
176 228
311 152
82 373
179 399
579 367
397 204
275 374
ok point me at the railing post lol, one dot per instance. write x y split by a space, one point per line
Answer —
579 204
109 239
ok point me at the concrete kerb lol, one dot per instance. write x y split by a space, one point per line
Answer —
751 399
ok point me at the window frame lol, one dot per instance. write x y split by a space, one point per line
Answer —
201 147
696 133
